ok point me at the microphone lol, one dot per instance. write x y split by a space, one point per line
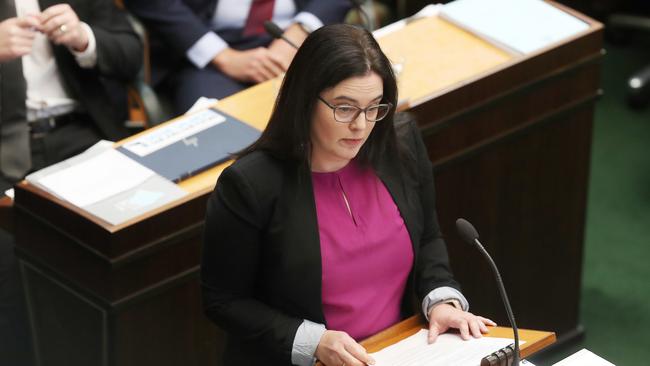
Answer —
276 32
469 234
358 5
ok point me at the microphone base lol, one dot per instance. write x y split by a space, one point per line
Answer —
503 357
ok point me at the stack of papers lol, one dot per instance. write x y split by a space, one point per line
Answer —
107 184
518 26
448 349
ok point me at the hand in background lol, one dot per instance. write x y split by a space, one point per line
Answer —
61 25
17 36
284 51
338 348
255 65
445 316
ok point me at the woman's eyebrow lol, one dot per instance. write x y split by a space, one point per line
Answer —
352 100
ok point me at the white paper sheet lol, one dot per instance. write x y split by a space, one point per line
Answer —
174 131
523 26
584 357
96 179
448 349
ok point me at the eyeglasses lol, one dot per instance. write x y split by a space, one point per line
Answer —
346 113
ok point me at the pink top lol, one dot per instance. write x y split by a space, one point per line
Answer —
366 251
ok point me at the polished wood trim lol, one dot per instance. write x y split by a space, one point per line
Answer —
6 214
504 136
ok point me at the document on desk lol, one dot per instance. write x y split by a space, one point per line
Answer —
190 144
107 184
96 179
519 26
448 349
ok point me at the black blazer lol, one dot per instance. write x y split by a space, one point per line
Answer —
101 90
261 266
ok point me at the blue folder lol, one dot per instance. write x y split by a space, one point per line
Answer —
200 151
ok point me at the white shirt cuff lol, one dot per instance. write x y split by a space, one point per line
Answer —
309 20
442 294
87 58
205 49
305 343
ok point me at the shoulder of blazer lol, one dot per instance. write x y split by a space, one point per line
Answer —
409 140
251 186
260 169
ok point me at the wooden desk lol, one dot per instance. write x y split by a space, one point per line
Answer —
509 138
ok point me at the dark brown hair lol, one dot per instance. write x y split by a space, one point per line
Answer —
328 56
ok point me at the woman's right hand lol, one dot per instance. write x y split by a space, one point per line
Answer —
339 349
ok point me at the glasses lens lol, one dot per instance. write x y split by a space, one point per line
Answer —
345 113
377 112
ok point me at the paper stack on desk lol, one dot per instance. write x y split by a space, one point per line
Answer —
107 184
448 349
518 26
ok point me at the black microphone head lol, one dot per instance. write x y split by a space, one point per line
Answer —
466 231
273 29
357 3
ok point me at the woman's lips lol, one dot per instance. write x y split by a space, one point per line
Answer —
352 142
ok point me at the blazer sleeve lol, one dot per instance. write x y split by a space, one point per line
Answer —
328 11
178 25
119 50
432 269
231 259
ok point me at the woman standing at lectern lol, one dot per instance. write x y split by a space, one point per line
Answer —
322 231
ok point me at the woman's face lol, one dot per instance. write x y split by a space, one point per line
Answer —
335 143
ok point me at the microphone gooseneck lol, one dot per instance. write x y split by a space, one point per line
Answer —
469 234
276 32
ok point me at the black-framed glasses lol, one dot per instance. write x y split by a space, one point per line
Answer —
346 113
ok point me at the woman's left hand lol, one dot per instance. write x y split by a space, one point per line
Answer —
445 316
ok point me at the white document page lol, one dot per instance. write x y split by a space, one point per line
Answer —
172 132
584 357
96 179
448 349
523 26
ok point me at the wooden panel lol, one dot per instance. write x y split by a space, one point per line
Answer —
70 330
142 327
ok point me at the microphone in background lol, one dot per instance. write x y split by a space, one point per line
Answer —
358 5
276 32
469 234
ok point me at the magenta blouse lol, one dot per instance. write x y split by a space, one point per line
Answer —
366 251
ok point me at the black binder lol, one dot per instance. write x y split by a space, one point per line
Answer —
200 151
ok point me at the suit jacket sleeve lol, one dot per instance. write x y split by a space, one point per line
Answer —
432 267
231 260
328 11
119 50
172 20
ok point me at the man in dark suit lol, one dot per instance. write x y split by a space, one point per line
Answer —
63 65
63 69
215 48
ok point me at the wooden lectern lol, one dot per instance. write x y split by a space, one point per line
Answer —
509 137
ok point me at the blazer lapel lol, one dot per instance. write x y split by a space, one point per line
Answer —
395 180
304 244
